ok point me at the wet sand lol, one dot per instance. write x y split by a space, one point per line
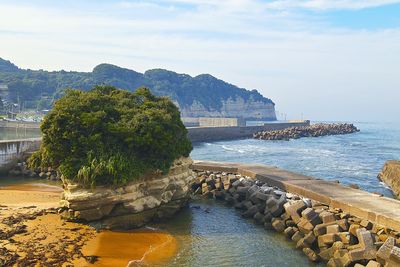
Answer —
33 234
122 249
38 187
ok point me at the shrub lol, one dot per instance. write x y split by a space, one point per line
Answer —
108 136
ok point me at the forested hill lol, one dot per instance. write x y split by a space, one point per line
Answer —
203 92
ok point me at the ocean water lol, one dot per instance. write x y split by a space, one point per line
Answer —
352 159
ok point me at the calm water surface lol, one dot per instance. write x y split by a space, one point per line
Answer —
209 233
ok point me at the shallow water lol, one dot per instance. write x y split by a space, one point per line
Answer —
209 233
354 158
120 249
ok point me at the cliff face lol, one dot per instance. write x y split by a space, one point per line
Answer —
232 108
390 175
134 204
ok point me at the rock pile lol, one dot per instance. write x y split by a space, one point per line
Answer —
21 169
322 233
307 131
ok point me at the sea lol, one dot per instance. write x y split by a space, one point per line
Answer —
209 233
212 234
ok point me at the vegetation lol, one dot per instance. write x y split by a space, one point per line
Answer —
29 85
108 136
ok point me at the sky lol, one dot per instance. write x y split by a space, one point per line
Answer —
316 59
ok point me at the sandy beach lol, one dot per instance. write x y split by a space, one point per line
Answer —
33 234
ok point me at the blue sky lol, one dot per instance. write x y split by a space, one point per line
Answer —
327 60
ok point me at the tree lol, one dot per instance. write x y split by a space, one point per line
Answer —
108 136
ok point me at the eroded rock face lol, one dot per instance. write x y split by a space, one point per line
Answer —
134 204
390 175
232 108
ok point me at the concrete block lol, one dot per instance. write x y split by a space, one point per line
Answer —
373 263
311 254
278 225
327 240
289 232
294 209
384 251
327 217
332 229
367 249
297 236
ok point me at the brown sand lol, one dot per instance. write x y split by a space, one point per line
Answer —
33 234
120 249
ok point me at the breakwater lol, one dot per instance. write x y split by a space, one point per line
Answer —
207 134
315 130
328 222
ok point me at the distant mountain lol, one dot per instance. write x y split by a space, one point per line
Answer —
200 96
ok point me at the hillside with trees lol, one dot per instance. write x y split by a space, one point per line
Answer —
39 88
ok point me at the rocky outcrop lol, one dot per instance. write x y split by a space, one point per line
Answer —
390 175
131 205
232 108
315 130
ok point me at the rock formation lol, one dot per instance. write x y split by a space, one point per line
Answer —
131 205
390 175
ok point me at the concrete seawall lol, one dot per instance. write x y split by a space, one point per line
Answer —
203 134
380 210
19 124
13 150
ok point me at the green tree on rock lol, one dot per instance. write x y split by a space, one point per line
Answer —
108 136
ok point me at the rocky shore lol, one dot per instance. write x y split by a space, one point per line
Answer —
33 234
315 130
22 169
321 232
390 175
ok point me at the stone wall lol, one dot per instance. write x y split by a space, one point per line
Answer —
390 175
134 204
12 151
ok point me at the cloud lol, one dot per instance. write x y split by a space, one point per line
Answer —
291 56
330 4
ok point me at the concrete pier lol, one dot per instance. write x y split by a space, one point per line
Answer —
381 210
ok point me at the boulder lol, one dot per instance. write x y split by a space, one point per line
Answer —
390 175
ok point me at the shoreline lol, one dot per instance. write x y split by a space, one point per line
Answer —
32 232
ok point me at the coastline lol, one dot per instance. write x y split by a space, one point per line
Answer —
32 232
